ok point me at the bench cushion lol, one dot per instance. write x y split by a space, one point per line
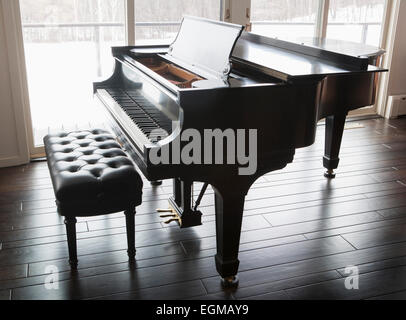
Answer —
91 174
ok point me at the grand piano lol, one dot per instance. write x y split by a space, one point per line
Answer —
215 76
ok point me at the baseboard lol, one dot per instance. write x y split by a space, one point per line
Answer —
12 162
354 118
396 106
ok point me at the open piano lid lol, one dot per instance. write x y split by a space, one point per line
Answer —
289 61
204 46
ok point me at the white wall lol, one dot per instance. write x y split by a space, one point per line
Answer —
13 142
397 77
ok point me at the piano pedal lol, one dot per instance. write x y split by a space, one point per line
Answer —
165 210
167 215
171 214
177 219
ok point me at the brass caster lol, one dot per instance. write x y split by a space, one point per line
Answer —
230 282
330 174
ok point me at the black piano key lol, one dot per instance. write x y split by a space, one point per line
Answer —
144 113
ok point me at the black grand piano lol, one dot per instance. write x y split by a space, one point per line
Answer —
215 76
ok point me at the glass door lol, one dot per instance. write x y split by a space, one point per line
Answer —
284 19
67 47
158 21
356 20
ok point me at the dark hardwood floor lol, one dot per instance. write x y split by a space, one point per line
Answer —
300 232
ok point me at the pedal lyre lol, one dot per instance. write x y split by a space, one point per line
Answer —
171 214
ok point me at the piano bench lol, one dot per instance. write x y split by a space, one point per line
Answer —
91 176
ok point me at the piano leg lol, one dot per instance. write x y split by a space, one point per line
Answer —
334 133
229 213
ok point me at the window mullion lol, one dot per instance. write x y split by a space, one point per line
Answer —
322 19
225 10
130 22
240 12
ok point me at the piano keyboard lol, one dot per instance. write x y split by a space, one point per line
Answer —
150 120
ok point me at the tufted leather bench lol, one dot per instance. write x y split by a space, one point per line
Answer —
91 176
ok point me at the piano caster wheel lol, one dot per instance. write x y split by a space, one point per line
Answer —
330 174
230 282
156 183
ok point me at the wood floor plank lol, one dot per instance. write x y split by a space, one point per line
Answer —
58 250
279 295
389 176
226 295
377 237
393 212
177 291
338 209
370 285
177 272
391 296
32 233
355 228
13 272
101 269
377 265
260 291
309 266
80 235
5 294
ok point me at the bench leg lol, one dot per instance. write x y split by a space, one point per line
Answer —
71 234
130 224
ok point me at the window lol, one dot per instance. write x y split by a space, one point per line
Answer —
67 45
159 20
284 18
68 42
356 20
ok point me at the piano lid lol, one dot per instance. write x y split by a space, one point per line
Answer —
344 47
204 46
289 61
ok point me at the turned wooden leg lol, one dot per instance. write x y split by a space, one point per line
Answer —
229 214
70 223
130 225
334 133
